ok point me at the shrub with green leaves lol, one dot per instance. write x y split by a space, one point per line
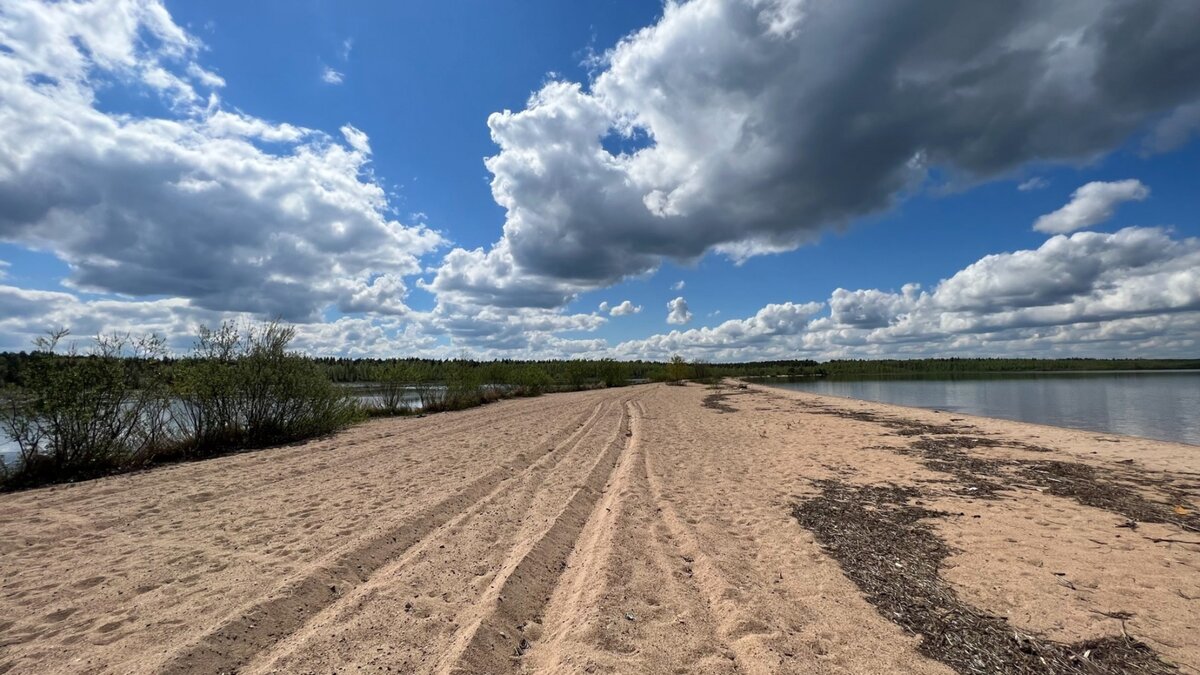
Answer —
393 383
84 414
678 370
243 388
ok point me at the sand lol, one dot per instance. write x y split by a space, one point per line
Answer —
645 529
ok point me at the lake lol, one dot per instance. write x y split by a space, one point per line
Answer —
1163 405
369 394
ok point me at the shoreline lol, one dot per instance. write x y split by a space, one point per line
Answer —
525 534
980 415
1002 424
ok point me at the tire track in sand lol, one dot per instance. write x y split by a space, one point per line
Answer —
736 626
624 566
405 617
263 624
274 468
510 613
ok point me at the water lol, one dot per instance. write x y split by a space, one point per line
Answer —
1163 405
368 394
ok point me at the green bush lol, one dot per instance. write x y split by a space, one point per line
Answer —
82 415
529 380
392 386
612 373
464 387
243 388
677 370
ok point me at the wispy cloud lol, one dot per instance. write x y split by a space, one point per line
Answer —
331 76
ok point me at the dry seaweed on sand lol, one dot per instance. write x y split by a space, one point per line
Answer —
1099 488
886 547
1112 490
907 427
902 427
716 401
946 449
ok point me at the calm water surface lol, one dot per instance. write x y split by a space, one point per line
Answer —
367 394
1164 405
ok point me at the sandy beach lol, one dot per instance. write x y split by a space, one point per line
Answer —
651 529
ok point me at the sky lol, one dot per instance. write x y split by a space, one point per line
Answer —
727 180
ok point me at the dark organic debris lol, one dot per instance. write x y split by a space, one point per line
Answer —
907 427
886 547
977 477
944 449
716 401
902 426
1104 489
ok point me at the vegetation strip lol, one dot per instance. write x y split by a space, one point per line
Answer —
884 546
126 404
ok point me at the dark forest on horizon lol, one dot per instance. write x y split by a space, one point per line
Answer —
350 370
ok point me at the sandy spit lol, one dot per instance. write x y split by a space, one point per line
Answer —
649 529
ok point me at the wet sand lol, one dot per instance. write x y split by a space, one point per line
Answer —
651 529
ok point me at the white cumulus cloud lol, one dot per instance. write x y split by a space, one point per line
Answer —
1132 292
1090 205
625 308
750 126
677 311
222 210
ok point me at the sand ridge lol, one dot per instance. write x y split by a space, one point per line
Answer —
641 529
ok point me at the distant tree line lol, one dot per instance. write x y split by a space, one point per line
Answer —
549 375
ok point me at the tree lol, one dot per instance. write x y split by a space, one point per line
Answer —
677 370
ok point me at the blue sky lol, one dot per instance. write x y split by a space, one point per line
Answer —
325 163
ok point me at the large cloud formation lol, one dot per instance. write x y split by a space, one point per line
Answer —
225 210
756 123
1131 292
1135 291
735 126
